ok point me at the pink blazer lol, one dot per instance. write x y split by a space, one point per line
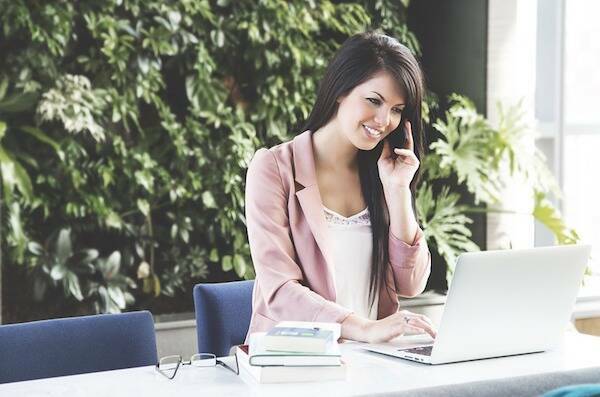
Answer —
288 236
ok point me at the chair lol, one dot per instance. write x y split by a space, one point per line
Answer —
223 313
68 346
583 390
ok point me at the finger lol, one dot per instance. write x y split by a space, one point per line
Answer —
410 314
410 145
387 150
407 155
424 318
409 318
422 325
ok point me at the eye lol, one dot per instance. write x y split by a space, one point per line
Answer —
397 110
374 101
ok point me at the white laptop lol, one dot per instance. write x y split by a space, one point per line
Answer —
503 303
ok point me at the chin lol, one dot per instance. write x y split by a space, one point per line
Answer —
363 144
366 147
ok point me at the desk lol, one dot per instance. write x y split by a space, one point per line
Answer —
576 361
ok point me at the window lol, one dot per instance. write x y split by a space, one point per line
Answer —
568 114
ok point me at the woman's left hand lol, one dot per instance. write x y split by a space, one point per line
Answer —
397 168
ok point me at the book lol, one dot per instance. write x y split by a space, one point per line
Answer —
336 328
260 356
283 374
295 339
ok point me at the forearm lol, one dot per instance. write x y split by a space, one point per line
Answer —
403 224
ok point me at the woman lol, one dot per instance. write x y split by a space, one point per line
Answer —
330 214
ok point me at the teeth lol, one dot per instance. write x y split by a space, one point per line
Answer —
372 131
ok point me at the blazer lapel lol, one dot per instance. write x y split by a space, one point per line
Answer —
309 198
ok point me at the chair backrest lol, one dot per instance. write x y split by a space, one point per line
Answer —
68 346
582 390
223 313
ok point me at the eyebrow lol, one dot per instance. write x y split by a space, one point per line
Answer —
381 96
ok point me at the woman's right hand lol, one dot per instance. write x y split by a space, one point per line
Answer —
397 324
377 331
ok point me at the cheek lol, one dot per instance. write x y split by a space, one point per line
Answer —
353 112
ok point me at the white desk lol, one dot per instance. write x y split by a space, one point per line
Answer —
368 374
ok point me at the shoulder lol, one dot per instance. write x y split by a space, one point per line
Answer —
274 161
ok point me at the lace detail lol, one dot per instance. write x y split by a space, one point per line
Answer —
333 218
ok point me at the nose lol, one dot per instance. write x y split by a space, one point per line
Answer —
382 118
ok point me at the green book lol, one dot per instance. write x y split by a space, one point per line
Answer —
261 356
299 340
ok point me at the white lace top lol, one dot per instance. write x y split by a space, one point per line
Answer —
352 250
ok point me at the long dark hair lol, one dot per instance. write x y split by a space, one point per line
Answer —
358 59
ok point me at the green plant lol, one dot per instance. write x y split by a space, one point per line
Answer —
110 291
155 109
82 274
484 159
17 188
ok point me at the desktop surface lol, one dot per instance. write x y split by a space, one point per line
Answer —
368 374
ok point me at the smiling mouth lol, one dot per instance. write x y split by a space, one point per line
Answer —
373 132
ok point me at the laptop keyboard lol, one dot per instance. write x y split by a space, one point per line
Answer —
422 350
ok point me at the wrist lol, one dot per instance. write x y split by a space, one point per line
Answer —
398 199
357 328
392 188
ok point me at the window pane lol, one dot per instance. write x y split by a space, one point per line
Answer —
582 57
582 189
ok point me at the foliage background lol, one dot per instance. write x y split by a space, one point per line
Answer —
126 127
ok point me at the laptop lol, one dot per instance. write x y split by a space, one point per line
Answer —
503 303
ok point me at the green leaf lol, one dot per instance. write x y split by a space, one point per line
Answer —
3 87
42 137
208 200
239 264
72 284
35 248
2 129
116 294
214 255
113 263
114 220
64 248
145 179
23 182
83 258
18 102
545 212
444 223
58 272
104 298
16 230
143 206
14 175
39 288
151 285
227 263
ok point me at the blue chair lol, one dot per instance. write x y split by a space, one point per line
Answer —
223 313
77 345
584 390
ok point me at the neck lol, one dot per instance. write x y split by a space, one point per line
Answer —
333 150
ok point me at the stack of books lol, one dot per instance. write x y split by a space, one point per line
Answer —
293 352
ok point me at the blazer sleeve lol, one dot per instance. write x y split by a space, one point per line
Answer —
411 264
273 251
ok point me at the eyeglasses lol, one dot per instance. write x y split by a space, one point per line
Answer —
169 365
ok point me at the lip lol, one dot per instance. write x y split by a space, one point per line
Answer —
369 132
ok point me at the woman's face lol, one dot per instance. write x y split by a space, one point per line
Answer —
371 111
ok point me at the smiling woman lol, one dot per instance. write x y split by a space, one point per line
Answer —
331 225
